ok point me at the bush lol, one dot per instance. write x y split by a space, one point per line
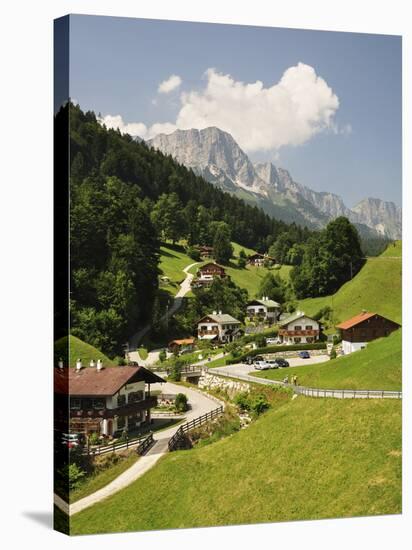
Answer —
176 371
255 404
241 263
162 356
94 438
260 341
75 475
193 253
181 402
333 354
121 361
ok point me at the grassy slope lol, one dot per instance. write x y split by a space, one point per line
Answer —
376 367
377 287
78 348
103 478
174 260
259 475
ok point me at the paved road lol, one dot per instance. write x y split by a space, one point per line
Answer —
177 303
200 404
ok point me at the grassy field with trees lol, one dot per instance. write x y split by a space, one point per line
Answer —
295 462
377 288
377 367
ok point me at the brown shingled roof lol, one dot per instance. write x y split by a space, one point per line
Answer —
355 320
108 381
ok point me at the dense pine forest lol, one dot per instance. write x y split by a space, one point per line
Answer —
127 197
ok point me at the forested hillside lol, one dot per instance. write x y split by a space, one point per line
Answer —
126 198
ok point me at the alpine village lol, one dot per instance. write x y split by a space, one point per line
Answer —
224 365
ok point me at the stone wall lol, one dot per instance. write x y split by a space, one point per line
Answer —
211 382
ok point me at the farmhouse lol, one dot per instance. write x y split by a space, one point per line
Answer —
207 273
109 400
219 327
363 328
299 329
264 309
185 344
259 260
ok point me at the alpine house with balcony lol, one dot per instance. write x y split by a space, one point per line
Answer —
299 329
219 327
110 400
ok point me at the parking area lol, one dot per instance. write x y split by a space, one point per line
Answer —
243 369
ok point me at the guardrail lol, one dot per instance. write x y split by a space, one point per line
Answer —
145 445
175 442
120 446
314 392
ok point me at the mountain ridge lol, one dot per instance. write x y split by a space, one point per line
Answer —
214 154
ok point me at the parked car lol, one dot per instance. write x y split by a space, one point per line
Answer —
304 354
273 364
262 365
282 363
70 440
271 341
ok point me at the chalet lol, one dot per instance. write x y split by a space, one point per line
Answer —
185 344
299 329
258 260
108 400
264 309
219 327
207 273
205 251
363 328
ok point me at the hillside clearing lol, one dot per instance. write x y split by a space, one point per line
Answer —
377 288
294 463
79 350
378 367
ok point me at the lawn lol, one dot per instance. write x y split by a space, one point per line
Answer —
377 288
378 367
79 349
104 477
173 259
308 459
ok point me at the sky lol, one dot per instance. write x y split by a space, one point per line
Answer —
326 106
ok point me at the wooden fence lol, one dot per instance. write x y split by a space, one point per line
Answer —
175 442
141 443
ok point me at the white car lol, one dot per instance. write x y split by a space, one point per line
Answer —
271 341
262 365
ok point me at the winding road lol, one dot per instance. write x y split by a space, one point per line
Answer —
177 303
200 404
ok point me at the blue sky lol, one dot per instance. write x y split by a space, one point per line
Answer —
344 136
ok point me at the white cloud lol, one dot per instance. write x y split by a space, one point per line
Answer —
290 112
116 122
170 84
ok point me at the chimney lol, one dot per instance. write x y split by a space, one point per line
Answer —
60 363
79 364
99 365
92 363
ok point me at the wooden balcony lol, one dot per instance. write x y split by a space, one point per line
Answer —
124 410
284 332
207 332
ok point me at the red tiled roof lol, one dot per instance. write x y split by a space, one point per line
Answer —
108 381
183 341
355 320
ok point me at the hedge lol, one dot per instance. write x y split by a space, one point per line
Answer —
275 349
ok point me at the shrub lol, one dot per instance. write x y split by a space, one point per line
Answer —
94 438
75 475
260 341
176 371
121 361
259 404
333 354
193 253
181 402
162 356
241 263
242 400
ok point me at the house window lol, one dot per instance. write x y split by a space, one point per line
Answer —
75 404
298 327
98 404
135 396
297 340
121 400
309 327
